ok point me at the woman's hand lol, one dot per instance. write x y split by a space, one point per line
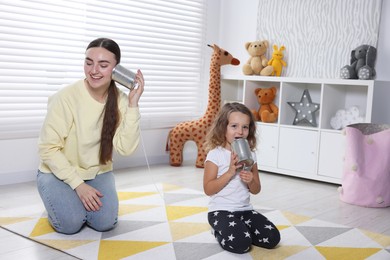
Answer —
89 196
135 94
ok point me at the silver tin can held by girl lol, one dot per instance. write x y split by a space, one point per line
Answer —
124 77
240 147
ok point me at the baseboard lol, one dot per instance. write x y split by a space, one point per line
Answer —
8 178
17 177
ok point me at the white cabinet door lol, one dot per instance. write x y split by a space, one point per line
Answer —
298 150
267 145
332 150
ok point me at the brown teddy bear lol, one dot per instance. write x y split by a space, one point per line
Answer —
257 64
268 111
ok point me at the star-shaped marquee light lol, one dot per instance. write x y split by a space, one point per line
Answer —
305 110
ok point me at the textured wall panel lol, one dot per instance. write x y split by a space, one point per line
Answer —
318 34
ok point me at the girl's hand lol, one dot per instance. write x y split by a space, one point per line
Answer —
246 176
135 94
233 164
89 196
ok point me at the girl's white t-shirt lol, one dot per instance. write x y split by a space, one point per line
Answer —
235 196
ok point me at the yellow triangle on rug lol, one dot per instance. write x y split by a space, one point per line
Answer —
42 227
180 230
114 249
347 253
5 221
177 212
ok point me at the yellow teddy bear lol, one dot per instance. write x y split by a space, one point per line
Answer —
277 60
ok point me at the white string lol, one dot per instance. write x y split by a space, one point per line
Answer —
148 165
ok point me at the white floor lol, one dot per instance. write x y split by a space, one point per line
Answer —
304 197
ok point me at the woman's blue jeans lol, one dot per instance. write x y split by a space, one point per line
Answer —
65 210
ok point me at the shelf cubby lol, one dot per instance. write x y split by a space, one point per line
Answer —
292 92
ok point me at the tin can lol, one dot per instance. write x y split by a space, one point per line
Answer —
240 146
124 77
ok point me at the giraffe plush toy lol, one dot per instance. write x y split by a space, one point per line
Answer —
196 130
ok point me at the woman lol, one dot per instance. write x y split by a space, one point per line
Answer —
85 122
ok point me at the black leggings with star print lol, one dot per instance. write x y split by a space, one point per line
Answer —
237 231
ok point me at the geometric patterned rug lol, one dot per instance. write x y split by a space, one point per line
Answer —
164 221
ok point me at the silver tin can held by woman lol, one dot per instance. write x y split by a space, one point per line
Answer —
124 77
240 147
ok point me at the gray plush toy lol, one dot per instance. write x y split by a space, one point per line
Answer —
362 63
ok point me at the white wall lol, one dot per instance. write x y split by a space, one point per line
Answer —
231 23
238 26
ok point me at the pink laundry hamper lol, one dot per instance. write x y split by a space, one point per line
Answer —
366 175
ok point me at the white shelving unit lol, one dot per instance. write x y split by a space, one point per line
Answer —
312 152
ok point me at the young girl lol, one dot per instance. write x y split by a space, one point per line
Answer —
235 224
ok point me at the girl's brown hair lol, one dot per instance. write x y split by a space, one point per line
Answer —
111 111
217 132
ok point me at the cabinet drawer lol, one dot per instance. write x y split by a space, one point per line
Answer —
267 145
331 159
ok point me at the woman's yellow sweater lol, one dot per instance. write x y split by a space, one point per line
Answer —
69 141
